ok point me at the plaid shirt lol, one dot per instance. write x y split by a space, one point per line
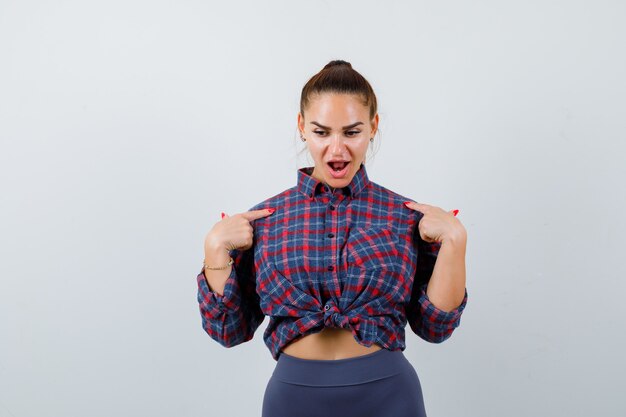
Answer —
350 257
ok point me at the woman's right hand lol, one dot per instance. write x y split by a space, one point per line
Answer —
232 232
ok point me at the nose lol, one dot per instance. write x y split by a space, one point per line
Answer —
336 144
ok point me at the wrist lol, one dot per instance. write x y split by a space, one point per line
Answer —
457 238
208 264
216 255
214 246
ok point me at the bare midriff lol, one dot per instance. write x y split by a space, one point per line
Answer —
329 344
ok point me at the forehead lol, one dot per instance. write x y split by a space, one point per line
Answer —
336 106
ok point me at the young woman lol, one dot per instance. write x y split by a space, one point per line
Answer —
340 264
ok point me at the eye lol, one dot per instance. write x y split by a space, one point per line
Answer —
349 133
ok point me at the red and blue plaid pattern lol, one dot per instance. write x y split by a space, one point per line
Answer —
349 257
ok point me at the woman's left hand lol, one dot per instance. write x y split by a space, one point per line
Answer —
436 224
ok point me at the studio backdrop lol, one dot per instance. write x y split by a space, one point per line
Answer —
126 127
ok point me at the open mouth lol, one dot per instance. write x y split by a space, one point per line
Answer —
338 166
338 169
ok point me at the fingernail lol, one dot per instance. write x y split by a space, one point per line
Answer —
455 212
271 210
407 202
223 215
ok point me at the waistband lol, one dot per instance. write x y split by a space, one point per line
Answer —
383 363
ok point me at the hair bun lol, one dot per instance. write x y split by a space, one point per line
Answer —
337 62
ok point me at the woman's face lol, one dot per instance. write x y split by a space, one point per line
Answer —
337 128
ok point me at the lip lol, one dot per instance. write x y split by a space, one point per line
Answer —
338 174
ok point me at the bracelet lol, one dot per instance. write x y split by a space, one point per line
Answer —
205 266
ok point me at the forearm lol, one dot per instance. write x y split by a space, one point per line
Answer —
216 279
446 288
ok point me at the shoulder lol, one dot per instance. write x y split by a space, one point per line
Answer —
388 193
281 197
393 199
278 201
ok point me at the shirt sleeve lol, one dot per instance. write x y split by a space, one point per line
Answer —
233 317
427 321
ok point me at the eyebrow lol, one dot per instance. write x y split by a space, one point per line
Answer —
345 127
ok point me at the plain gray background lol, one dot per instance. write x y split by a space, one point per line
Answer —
126 127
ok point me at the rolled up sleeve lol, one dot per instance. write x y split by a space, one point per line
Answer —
233 317
425 319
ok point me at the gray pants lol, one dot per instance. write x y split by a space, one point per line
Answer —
378 384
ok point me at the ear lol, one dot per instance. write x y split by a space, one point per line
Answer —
300 122
374 124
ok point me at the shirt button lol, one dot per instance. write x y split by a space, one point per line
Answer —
330 267
326 307
331 235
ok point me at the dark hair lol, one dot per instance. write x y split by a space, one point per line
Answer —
338 76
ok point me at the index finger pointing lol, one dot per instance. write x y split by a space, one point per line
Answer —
257 214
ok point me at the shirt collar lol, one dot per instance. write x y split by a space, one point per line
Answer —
310 186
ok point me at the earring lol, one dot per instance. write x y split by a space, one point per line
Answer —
302 138
371 139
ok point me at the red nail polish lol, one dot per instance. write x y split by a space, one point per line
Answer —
407 202
271 210
223 215
455 212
